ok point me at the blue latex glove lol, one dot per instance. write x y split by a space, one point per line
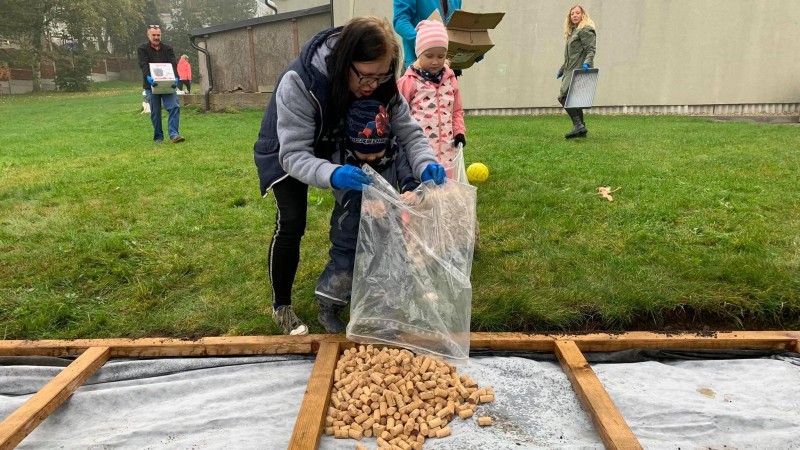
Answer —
585 67
559 74
479 58
434 172
177 81
151 82
349 177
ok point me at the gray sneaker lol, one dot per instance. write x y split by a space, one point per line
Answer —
288 321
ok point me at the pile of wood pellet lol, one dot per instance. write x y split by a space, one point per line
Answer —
399 398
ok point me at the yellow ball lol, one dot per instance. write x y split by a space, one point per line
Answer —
477 172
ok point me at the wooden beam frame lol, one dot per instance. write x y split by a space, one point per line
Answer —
308 426
33 412
610 425
612 428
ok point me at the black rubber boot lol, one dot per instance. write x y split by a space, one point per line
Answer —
328 317
578 130
585 131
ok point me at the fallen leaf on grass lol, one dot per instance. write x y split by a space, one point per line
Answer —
605 192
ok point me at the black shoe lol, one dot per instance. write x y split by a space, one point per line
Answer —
328 317
583 132
578 130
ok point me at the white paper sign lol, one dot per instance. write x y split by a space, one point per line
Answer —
164 76
162 71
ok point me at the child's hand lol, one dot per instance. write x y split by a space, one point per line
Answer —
375 208
410 198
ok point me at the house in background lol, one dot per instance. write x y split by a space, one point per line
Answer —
240 62
653 56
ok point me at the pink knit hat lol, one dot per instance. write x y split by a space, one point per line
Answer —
430 34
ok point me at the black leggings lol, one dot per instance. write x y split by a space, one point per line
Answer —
571 111
291 197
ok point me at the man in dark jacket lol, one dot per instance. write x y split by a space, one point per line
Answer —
155 51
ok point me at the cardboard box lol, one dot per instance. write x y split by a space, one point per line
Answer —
164 75
469 35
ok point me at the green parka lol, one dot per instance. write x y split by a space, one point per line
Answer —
579 50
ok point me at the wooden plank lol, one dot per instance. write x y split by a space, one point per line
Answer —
762 340
164 347
308 426
610 424
512 341
263 345
34 411
596 342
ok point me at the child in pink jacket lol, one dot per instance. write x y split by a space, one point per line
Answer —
431 89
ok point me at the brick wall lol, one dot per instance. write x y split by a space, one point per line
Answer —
48 69
113 64
99 67
21 74
117 68
130 64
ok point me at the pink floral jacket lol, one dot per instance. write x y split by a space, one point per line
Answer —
437 108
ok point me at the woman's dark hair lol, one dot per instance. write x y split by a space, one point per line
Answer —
363 39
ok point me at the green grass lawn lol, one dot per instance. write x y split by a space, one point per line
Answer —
105 234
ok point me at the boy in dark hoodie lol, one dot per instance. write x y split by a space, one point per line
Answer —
369 141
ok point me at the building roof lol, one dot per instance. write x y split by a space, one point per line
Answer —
261 20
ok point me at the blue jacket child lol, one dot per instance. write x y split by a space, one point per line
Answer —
369 141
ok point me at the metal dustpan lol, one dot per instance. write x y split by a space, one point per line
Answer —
581 88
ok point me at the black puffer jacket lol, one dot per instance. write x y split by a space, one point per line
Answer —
147 54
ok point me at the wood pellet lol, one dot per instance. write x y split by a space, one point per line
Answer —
400 398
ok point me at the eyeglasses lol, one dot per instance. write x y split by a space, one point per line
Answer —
366 80
157 27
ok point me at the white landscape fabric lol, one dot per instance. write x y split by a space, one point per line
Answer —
252 403
188 403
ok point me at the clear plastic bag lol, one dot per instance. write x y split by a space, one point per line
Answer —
457 169
411 281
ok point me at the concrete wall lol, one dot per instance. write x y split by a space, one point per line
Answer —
250 59
296 5
278 50
671 56
682 56
257 100
228 73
